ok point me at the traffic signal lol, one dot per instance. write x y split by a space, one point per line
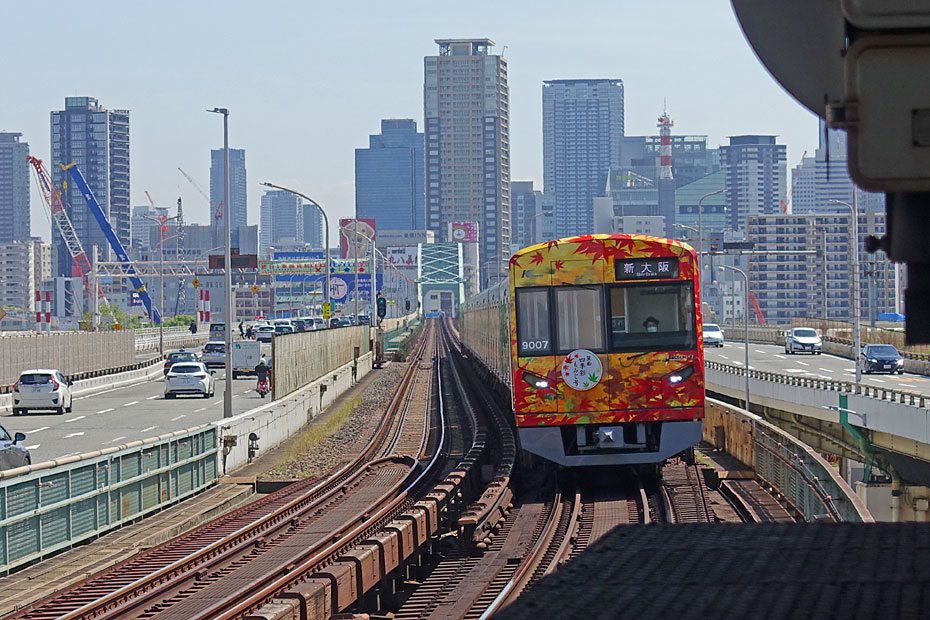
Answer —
407 304
382 307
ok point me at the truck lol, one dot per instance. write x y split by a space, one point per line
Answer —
245 357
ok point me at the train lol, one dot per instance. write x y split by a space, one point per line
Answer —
597 340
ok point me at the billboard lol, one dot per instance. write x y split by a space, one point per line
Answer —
463 232
356 231
403 257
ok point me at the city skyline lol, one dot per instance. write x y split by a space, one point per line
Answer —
298 138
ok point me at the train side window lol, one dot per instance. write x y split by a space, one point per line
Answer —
533 337
579 317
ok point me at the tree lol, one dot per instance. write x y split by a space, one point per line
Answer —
181 320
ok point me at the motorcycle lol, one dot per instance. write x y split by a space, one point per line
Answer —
262 388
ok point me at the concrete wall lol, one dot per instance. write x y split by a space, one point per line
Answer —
69 352
175 338
298 359
278 420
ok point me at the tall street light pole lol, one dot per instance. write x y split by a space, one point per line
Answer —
325 229
163 223
746 322
227 264
854 274
701 228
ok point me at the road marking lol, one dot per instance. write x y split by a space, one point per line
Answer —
145 430
849 370
153 397
724 357
178 418
803 363
219 402
759 351
781 357
135 402
795 370
105 410
879 380
199 410
80 417
247 391
33 447
825 370
38 430
114 440
74 435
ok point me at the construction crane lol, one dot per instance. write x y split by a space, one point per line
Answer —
53 200
114 241
216 210
180 258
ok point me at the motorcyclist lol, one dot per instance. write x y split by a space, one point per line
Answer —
262 371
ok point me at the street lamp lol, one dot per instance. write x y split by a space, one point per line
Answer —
686 227
854 273
700 230
745 321
325 227
162 221
227 264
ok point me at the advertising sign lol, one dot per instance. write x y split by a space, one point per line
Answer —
358 232
463 232
403 257
310 266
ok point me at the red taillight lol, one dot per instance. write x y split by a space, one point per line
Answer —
55 385
16 386
201 376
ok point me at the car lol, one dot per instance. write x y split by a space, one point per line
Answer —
179 356
42 388
337 322
283 329
190 378
364 319
264 333
213 354
319 323
713 335
12 451
803 339
300 325
881 358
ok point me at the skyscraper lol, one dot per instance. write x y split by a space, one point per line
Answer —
237 194
755 177
466 108
389 177
526 212
282 219
313 226
582 131
14 188
97 140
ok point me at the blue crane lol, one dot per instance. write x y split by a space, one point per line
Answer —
115 243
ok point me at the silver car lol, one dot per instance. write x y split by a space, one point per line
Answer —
213 354
12 451
803 339
189 378
713 335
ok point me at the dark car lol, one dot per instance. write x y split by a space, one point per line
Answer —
299 325
881 358
337 322
179 356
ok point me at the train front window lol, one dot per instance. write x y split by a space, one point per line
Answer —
652 317
580 324
533 337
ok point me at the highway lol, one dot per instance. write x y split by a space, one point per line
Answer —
120 415
772 358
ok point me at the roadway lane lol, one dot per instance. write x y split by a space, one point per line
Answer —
772 358
125 414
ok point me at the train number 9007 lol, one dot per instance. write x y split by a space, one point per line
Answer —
535 345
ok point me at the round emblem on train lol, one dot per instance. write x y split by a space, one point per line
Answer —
582 370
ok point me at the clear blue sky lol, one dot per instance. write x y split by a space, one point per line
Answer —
307 84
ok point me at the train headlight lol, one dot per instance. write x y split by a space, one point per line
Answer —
538 382
680 375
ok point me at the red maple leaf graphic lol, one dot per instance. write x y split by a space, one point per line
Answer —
558 265
536 259
585 405
515 261
589 247
552 244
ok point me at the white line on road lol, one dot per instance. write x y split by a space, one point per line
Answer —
879 380
844 370
157 395
80 417
795 370
38 444
803 363
105 410
135 402
40 429
781 357
145 430
247 391
177 418
199 410
756 350
825 369
74 435
722 356
114 440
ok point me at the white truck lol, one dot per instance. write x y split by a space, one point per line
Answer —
245 357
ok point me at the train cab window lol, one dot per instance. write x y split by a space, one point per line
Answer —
579 318
652 317
533 337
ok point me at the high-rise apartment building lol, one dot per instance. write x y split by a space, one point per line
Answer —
97 140
389 177
582 131
282 219
14 188
756 183
466 108
525 214
17 275
313 226
238 189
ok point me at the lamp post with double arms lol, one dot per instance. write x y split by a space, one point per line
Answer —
745 322
854 276
162 222
701 227
325 230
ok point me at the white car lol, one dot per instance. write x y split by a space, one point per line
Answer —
713 335
319 323
213 354
12 451
42 388
803 339
189 378
264 333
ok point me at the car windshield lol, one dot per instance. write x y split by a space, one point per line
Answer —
181 357
711 327
805 333
881 349
214 348
186 369
37 378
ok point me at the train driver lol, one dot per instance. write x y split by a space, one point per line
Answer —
651 324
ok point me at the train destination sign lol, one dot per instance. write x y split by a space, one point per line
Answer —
646 268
